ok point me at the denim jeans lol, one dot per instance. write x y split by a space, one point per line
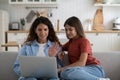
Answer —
31 78
91 72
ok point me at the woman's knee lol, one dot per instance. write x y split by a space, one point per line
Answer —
71 72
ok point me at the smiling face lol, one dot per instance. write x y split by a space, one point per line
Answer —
71 32
42 32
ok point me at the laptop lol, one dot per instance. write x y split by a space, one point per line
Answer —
39 67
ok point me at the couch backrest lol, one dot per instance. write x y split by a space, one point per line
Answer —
7 60
110 62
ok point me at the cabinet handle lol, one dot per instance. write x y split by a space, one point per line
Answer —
97 34
118 34
15 33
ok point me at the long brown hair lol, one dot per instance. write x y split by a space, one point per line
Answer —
33 36
75 22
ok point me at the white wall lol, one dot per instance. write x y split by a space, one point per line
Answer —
83 9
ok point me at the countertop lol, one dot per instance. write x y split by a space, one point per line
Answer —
62 31
14 43
10 44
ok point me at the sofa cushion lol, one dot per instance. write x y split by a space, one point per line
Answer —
110 62
7 60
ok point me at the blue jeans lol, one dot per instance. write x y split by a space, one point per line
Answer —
22 78
90 72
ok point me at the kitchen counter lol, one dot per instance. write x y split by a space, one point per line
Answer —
62 31
103 31
17 31
10 44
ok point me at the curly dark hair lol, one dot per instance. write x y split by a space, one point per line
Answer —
44 20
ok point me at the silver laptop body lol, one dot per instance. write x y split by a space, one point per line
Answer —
39 67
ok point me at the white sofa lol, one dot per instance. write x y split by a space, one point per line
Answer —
109 60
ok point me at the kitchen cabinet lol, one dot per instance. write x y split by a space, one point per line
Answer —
100 41
62 37
41 2
104 41
20 36
33 1
15 36
115 42
107 40
17 1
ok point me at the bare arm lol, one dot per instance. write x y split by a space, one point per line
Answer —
81 62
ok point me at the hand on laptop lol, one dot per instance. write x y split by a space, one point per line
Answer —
53 50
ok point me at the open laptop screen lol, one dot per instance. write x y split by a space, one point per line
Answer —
39 67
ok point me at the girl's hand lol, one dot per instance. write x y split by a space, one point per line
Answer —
53 49
60 56
60 69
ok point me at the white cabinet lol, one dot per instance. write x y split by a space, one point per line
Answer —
41 1
62 38
17 1
50 1
100 41
116 42
33 1
17 37
104 41
20 37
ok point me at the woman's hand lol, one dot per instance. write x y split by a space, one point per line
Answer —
53 49
59 70
60 56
